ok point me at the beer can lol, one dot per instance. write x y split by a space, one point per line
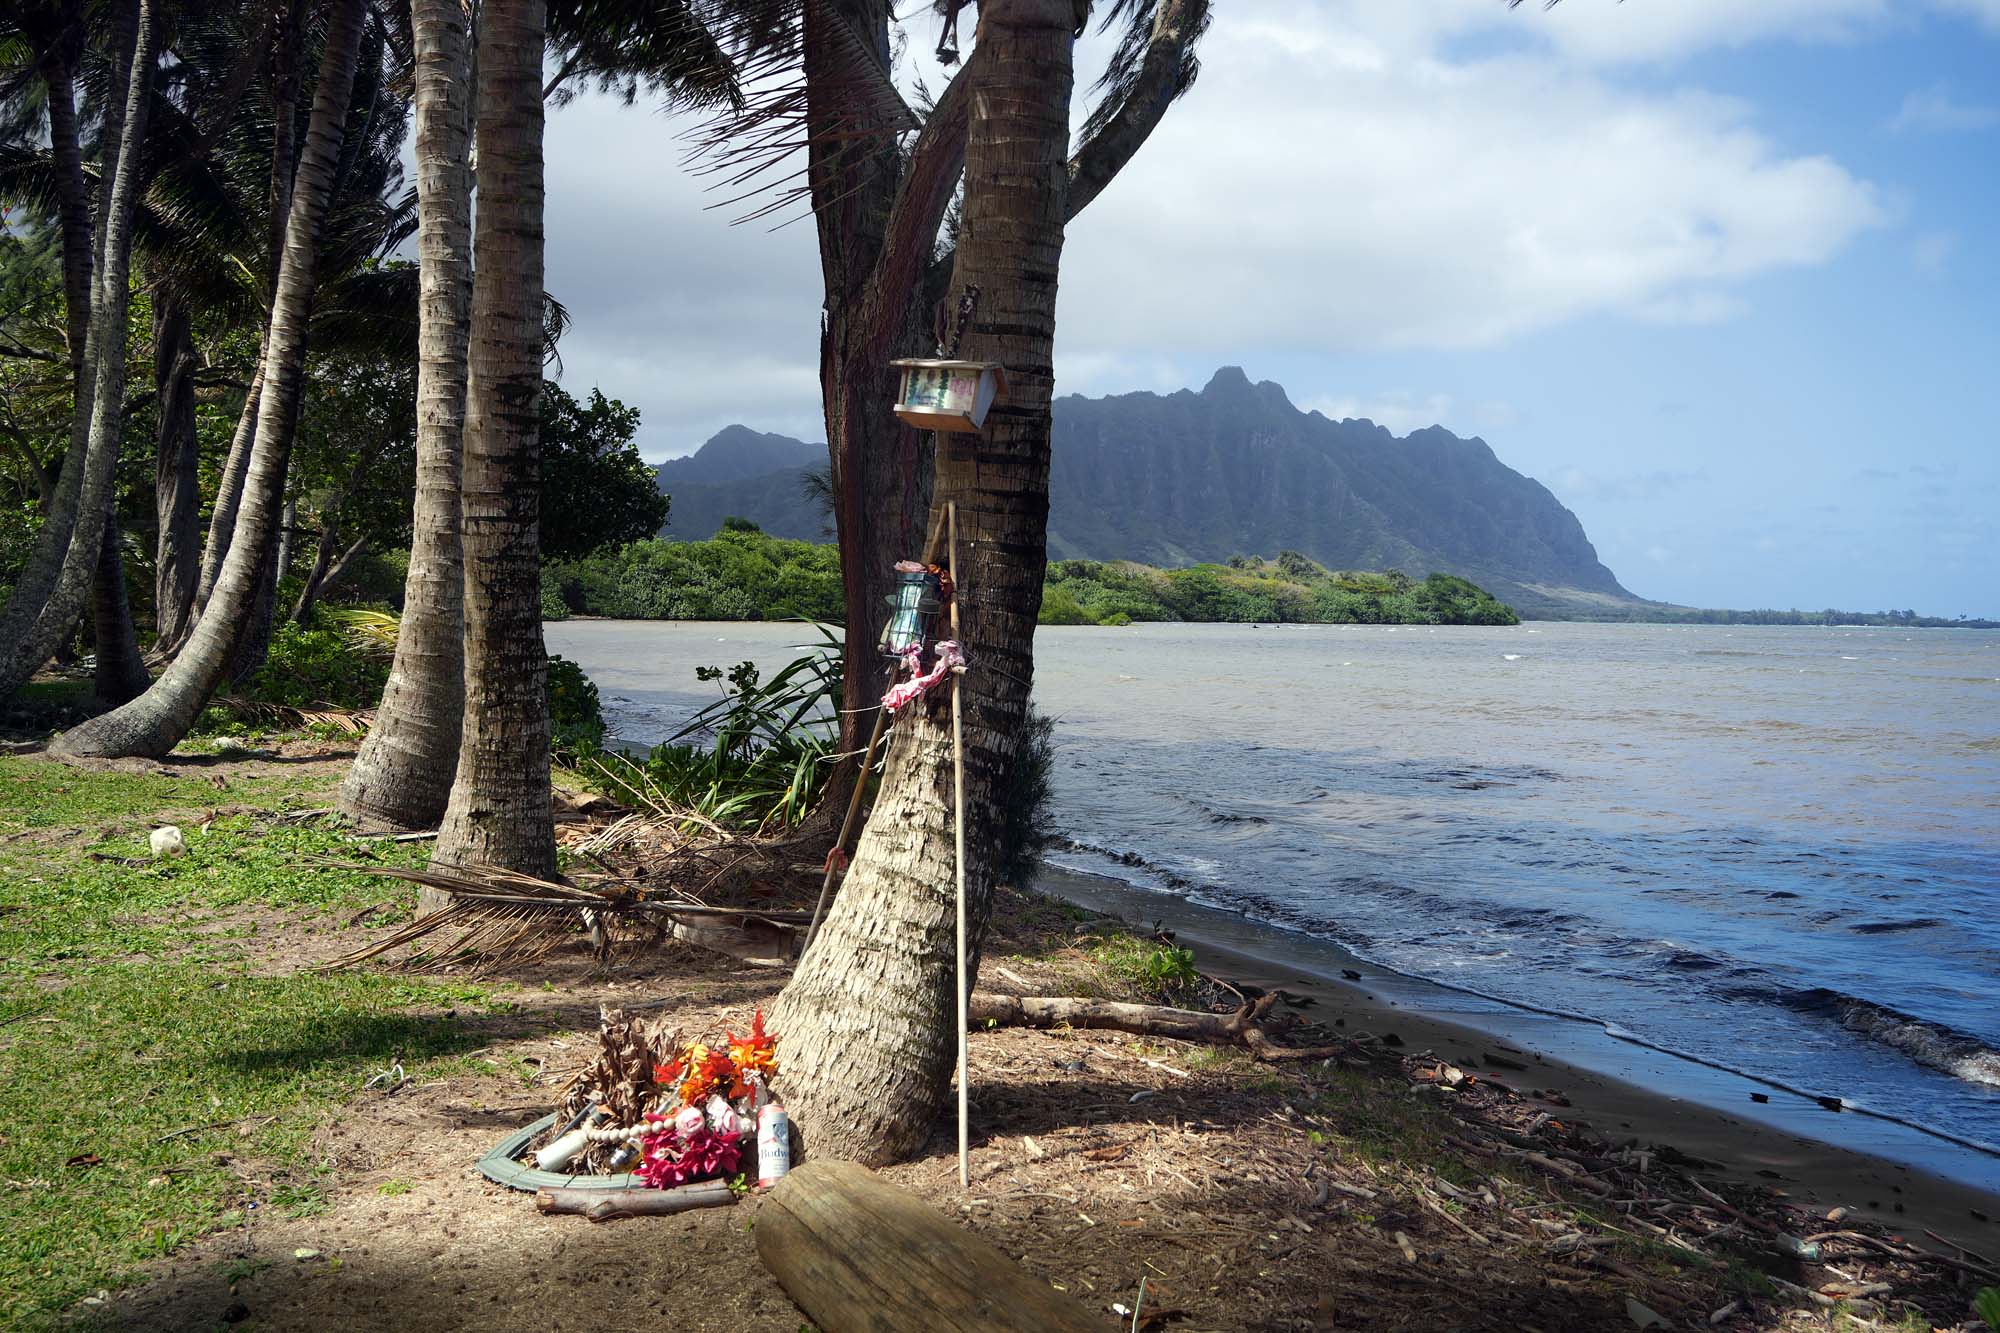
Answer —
774 1144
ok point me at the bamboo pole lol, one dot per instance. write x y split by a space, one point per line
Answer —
847 823
958 839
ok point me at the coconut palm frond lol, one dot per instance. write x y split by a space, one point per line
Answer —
1148 30
669 49
284 717
790 48
370 632
370 310
354 721
555 323
504 918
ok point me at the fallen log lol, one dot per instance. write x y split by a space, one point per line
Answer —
856 1253
603 1205
1241 1028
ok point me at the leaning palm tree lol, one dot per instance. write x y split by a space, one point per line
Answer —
863 1087
402 776
153 723
72 547
498 813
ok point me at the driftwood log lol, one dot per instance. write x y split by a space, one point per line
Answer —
856 1253
601 1205
1242 1028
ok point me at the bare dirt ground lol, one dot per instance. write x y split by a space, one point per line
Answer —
1097 1159
1247 1195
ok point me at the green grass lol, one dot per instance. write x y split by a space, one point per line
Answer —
152 1089
1162 970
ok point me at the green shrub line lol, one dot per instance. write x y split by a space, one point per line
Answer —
1248 590
743 573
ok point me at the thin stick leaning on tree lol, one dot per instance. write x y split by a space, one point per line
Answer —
958 839
837 857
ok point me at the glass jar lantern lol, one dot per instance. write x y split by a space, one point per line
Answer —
913 612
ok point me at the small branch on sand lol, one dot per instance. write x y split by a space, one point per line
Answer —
602 1205
1242 1028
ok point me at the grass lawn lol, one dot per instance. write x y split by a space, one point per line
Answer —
154 1086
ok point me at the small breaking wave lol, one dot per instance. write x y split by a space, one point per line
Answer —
1929 1044
1896 927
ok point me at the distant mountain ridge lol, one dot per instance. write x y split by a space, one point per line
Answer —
747 473
1236 469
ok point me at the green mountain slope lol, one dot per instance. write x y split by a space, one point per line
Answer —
1184 478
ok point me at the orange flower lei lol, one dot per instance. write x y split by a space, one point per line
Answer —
756 1053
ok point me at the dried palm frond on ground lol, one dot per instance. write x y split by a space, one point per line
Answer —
619 1078
503 918
284 717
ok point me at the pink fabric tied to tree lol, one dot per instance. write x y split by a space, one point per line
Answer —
949 659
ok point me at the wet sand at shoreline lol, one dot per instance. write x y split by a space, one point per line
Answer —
1949 1190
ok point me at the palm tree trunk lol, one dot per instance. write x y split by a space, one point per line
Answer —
288 522
73 210
402 777
50 594
866 1023
284 77
121 672
229 488
499 811
254 626
177 562
326 571
153 723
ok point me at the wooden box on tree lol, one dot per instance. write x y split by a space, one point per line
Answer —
949 395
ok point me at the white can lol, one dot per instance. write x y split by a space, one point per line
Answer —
774 1144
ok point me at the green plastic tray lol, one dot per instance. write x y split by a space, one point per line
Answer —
500 1167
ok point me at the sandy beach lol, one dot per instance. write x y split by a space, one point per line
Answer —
1939 1193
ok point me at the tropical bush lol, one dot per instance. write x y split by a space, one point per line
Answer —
1155 967
576 718
741 573
1024 805
1290 589
553 605
317 665
755 760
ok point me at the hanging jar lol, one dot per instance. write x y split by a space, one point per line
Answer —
913 610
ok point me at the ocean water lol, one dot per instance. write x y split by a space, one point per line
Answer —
1775 850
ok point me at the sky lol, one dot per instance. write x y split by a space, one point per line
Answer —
1723 274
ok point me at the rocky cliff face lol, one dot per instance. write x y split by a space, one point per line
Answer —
1236 469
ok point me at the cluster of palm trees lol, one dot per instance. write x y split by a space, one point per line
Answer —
246 153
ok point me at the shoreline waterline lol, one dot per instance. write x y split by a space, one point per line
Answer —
1657 1093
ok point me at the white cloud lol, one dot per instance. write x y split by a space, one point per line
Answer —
1429 202
1605 31
696 322
1399 410
1346 175
1934 111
